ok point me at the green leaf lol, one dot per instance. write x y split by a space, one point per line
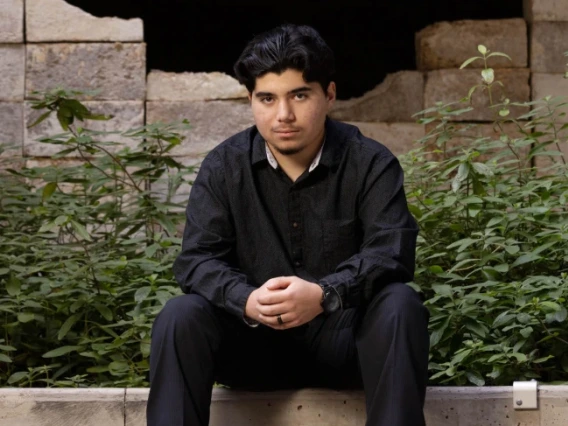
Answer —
5 358
482 169
442 289
436 269
482 49
519 356
488 75
525 258
25 317
64 121
13 286
16 377
104 311
499 54
64 350
469 61
543 359
6 348
67 325
475 378
98 369
81 230
526 332
48 190
40 119
142 293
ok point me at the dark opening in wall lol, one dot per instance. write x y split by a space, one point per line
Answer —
370 38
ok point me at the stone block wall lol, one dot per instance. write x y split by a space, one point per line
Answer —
63 45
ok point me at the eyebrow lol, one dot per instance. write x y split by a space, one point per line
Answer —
291 92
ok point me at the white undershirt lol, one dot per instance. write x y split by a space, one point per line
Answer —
272 161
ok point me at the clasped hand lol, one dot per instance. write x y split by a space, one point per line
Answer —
296 301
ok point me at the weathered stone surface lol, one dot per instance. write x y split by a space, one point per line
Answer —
548 85
12 70
545 10
398 137
118 70
436 45
127 115
212 122
396 99
445 406
452 85
62 407
11 128
189 86
553 406
11 21
281 408
57 20
475 407
549 41
551 85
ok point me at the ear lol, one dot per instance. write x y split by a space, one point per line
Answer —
331 93
250 97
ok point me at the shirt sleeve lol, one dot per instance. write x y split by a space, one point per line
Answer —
387 253
206 264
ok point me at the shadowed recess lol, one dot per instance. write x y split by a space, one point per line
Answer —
370 38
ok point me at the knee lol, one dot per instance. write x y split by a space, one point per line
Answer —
399 302
187 309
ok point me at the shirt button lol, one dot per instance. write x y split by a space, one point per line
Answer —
295 224
297 263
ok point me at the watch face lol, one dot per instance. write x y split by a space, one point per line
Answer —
331 303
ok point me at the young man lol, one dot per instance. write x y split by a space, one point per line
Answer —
296 249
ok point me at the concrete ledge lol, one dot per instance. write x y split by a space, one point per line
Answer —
445 406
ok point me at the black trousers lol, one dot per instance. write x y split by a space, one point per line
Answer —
382 347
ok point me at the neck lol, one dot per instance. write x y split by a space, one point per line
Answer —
296 164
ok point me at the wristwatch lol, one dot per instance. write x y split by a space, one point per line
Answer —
330 299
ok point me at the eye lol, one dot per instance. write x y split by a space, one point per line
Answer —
301 96
267 100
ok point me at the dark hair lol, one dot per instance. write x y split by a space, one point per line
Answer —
297 47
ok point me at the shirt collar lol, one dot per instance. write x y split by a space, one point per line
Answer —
330 152
274 164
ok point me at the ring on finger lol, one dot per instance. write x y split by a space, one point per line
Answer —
279 318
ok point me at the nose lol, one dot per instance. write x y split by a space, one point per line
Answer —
285 112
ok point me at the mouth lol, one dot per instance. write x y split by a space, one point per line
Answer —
286 132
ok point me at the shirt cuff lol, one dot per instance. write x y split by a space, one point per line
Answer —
250 322
236 298
340 282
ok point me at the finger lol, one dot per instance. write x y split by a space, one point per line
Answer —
272 297
273 322
272 310
278 283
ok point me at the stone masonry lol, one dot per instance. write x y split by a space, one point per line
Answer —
11 21
437 46
56 21
63 45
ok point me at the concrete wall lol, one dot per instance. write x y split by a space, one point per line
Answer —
445 406
63 45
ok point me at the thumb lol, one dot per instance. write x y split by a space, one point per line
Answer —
278 283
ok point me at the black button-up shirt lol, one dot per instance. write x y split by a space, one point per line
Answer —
345 224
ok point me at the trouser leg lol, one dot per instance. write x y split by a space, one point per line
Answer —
392 345
186 337
382 347
195 344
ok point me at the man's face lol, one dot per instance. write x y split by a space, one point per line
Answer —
290 113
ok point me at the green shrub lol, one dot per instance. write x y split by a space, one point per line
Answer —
492 256
86 249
